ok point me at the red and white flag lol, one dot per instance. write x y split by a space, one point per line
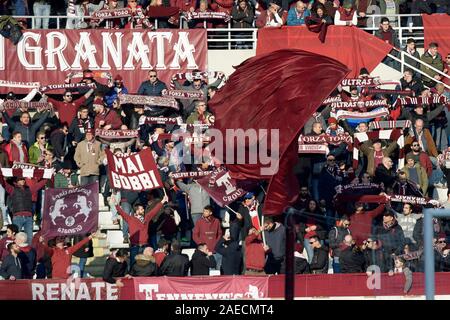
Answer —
136 172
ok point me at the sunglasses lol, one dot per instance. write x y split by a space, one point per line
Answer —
151 76
442 241
415 145
68 95
311 242
41 138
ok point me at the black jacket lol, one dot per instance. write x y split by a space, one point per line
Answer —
21 200
246 224
379 258
351 260
336 237
385 176
143 268
175 265
59 142
301 266
11 266
392 239
76 132
231 256
319 262
114 269
81 253
201 263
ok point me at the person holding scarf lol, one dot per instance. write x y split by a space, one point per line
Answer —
319 21
105 119
116 23
79 125
138 18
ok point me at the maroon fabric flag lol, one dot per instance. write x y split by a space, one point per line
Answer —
70 211
136 172
221 187
279 90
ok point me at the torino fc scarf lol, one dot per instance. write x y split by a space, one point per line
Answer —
189 174
148 100
32 173
78 85
116 134
190 76
342 114
423 100
183 94
18 104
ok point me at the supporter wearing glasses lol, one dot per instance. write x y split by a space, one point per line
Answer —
68 108
375 256
198 83
153 86
421 157
319 261
37 150
118 88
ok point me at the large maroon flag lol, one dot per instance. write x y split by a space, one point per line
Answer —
70 211
278 90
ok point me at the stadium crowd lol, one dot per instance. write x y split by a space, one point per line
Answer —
241 14
355 209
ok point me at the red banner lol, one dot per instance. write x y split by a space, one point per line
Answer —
52 54
351 286
351 46
221 187
437 29
136 172
201 288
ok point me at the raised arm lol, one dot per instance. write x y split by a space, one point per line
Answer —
79 245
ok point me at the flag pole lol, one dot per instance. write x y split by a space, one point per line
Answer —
262 229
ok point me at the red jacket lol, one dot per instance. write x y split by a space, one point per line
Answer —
12 151
4 247
41 249
207 231
67 111
110 117
159 257
184 5
62 259
361 224
255 255
139 231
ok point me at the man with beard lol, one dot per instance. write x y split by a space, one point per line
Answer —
11 268
390 234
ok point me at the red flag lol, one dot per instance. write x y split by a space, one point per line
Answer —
221 187
278 90
136 172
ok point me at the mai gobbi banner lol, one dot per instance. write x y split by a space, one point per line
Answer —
135 172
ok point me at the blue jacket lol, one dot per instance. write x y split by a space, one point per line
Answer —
112 95
292 19
148 89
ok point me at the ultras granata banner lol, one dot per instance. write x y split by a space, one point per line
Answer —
53 54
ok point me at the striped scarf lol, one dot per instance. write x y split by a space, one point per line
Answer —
342 114
441 99
391 124
393 134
